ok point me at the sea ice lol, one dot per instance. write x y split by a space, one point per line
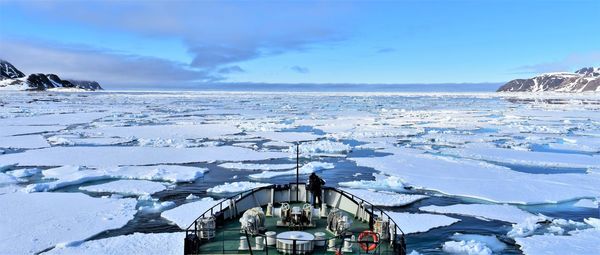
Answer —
381 183
184 215
420 222
236 187
586 203
34 222
321 147
578 242
26 172
506 213
6 179
264 167
167 131
491 241
470 178
545 159
469 247
289 137
121 155
127 187
12 130
136 243
385 198
53 119
23 142
307 168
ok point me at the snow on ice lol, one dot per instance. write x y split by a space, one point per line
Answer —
264 167
127 187
43 220
420 222
235 187
384 198
122 155
133 244
307 168
181 215
507 213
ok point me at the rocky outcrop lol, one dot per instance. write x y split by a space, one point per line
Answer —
8 71
12 78
585 79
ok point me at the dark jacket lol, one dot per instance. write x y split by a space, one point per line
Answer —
315 183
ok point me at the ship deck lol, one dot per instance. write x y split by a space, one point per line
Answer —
227 237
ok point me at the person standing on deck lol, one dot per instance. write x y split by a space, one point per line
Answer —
315 184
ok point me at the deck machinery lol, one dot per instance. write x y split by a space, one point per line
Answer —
278 219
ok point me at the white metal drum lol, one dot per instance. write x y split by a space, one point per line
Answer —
270 237
304 242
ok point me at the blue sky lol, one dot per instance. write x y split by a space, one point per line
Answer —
156 43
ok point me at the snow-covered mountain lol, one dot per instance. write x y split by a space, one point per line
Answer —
13 79
585 79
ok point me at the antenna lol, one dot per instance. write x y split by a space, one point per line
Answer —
297 169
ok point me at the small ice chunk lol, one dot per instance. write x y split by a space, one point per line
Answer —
470 247
191 197
527 227
381 182
236 187
490 241
321 147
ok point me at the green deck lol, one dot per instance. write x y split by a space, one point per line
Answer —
227 238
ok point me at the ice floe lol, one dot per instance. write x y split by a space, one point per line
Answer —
307 168
420 222
384 198
381 182
587 203
127 187
167 131
474 244
122 155
264 167
6 179
235 187
321 147
507 213
23 142
43 220
521 157
469 178
72 175
289 137
13 130
136 243
184 215
26 172
578 242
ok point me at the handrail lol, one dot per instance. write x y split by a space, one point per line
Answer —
241 195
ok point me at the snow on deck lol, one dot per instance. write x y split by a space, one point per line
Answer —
37 221
133 244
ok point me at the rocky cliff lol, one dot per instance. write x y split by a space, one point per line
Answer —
13 79
585 79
